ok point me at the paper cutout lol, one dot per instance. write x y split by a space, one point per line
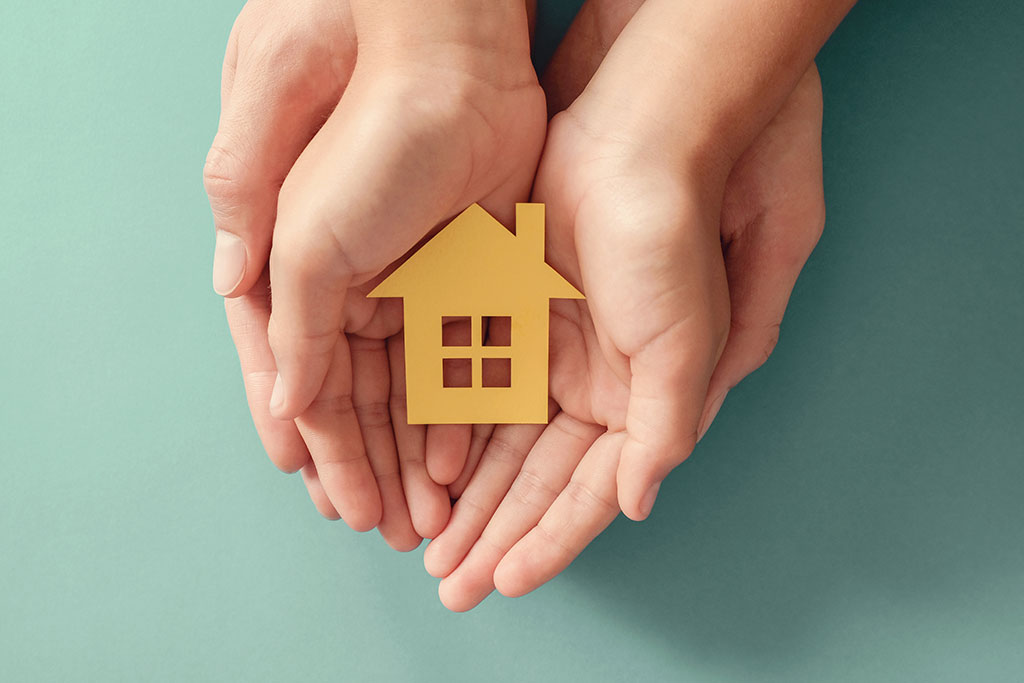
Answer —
476 269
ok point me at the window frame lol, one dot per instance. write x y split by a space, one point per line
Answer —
476 351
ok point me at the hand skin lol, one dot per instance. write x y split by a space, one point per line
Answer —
684 299
324 171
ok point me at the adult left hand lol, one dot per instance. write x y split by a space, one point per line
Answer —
687 276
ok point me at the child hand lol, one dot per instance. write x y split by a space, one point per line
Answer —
322 174
639 369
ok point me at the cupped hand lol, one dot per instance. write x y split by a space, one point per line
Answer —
325 170
687 277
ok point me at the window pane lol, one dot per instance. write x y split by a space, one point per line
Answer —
456 331
499 330
458 372
497 372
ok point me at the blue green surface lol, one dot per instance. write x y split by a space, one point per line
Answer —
856 513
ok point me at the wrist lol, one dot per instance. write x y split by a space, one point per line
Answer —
485 40
648 140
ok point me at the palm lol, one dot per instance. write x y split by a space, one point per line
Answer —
626 236
583 382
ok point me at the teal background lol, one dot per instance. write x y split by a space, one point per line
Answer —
855 514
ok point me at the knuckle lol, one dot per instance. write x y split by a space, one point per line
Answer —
388 476
373 414
530 489
586 497
224 175
771 340
803 228
293 263
555 541
475 507
272 39
280 342
306 257
759 342
297 342
573 427
718 332
337 405
816 222
501 450
397 399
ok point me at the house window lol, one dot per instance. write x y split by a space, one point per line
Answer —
497 330
497 372
476 351
456 330
458 372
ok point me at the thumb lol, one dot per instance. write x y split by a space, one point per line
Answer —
358 198
657 291
268 115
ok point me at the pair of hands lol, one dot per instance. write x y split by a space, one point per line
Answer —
328 169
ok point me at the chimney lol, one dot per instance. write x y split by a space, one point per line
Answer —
530 230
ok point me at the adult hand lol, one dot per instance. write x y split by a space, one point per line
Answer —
323 173
639 369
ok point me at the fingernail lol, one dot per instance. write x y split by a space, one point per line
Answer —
228 262
710 417
277 396
647 504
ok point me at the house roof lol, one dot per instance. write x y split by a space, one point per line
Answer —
476 250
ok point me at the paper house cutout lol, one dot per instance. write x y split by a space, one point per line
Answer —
475 268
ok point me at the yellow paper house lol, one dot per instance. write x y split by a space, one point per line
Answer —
474 272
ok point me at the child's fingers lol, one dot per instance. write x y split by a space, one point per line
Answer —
581 511
479 437
544 475
448 445
269 114
428 502
316 492
446 451
247 318
370 392
331 432
500 463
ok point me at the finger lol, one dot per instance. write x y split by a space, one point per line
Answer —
316 492
331 432
501 461
428 502
446 451
272 105
247 318
773 215
545 473
370 391
580 512
480 435
669 380
448 445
